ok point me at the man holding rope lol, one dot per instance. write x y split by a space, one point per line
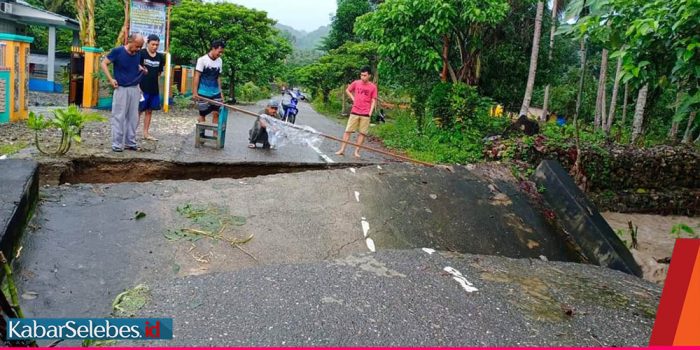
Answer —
363 94
258 134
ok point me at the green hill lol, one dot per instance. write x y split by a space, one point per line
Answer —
301 39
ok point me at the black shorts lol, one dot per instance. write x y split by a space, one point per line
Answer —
206 107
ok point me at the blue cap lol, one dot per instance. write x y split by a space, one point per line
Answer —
273 103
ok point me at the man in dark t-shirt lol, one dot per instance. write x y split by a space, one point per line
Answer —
128 73
154 62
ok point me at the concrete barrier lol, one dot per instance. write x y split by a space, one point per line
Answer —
19 189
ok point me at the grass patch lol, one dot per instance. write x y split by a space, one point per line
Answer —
204 218
331 110
12 148
129 302
432 144
208 221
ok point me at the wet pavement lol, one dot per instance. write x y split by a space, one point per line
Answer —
406 298
236 148
175 131
308 276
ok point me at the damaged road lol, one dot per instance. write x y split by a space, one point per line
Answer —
336 258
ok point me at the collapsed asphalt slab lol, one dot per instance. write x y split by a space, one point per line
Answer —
90 242
580 217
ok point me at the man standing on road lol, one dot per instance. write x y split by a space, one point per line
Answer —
363 94
154 62
128 72
207 81
258 134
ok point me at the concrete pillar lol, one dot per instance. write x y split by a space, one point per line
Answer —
52 55
168 81
90 82
183 80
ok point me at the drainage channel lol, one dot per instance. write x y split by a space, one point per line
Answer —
105 170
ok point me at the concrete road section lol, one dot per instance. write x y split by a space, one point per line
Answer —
336 259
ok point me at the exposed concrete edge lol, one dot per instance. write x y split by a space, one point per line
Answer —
581 219
12 231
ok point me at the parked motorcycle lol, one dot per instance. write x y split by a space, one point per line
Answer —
381 116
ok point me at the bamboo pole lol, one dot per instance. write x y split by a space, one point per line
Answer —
371 149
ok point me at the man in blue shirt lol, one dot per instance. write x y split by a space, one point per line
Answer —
128 73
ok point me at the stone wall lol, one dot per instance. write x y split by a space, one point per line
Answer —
662 179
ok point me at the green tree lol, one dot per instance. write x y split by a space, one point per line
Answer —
509 44
254 49
109 16
338 67
658 47
412 34
343 23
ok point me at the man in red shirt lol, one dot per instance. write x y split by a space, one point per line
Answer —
364 98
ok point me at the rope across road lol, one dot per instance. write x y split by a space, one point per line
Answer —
371 149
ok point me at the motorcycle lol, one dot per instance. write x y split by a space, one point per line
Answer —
300 95
290 109
381 117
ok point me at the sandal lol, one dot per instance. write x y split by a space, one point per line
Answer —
133 148
150 138
252 145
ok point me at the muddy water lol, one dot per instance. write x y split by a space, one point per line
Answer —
654 237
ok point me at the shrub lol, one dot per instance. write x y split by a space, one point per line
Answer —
250 92
438 105
69 121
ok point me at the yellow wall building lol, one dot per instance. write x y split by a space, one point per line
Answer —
14 77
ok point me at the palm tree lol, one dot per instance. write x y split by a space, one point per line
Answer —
601 97
86 18
121 38
575 10
557 7
639 112
613 99
625 98
689 128
533 59
675 123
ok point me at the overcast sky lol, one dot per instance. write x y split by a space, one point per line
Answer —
299 14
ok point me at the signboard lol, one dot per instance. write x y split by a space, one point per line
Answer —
148 18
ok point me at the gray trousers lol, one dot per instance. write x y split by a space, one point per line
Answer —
125 116
257 134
